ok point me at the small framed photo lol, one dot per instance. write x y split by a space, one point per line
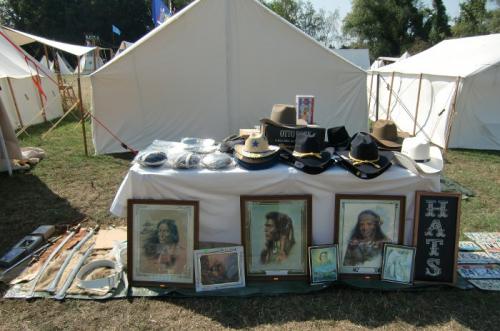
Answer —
219 268
363 224
162 235
398 264
323 264
276 231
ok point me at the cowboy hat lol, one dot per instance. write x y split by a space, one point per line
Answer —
284 116
418 156
338 138
308 155
387 136
364 159
256 153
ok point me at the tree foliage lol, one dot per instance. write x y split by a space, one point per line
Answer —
322 26
386 27
472 20
439 27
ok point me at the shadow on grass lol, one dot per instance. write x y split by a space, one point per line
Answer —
470 309
25 203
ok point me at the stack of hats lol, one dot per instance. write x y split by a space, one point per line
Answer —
256 153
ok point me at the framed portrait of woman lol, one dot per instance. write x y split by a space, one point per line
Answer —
162 236
276 231
363 224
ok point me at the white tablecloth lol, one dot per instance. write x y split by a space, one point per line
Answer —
219 194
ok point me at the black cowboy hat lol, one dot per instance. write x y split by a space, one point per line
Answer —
308 155
338 138
364 159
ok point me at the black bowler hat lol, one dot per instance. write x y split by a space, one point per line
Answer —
364 159
308 155
338 138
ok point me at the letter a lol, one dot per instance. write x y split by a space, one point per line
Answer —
435 226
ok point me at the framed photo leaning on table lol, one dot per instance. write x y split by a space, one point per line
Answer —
363 224
162 235
398 264
276 231
219 268
323 264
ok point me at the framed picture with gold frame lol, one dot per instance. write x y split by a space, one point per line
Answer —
276 232
162 236
363 224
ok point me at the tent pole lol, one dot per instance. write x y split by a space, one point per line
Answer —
370 94
44 115
451 116
95 57
46 56
390 95
81 109
418 101
377 97
15 102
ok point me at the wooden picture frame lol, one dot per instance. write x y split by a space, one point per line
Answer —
436 236
162 236
219 268
323 264
398 264
275 233
359 217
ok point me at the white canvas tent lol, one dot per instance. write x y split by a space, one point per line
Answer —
385 60
123 46
9 145
64 67
451 89
18 92
90 62
215 67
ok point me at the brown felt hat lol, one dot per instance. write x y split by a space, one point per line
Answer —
285 116
386 134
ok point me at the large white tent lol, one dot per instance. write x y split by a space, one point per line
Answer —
215 67
449 94
64 66
24 102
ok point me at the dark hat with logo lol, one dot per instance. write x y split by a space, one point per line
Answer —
364 159
387 136
338 138
308 154
256 153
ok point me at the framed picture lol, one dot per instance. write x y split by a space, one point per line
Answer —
219 268
323 264
162 235
276 231
398 264
363 224
436 235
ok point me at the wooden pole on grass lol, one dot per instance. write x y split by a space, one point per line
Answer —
418 101
81 109
451 116
18 113
390 95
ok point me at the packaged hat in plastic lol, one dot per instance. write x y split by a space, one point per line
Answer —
184 160
152 159
198 145
217 161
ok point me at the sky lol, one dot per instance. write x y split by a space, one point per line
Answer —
344 6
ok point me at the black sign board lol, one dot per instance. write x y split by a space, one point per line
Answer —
285 136
436 233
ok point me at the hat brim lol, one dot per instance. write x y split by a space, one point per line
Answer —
271 122
433 166
310 165
389 144
366 170
252 155
252 164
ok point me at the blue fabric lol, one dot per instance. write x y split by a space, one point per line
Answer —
116 30
159 11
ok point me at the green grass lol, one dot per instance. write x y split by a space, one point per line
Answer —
68 186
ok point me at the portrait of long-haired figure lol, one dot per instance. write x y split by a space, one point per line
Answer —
276 235
363 224
163 239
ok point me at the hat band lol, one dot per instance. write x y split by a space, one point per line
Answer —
299 154
357 162
422 161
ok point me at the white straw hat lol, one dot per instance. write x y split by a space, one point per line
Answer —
418 156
